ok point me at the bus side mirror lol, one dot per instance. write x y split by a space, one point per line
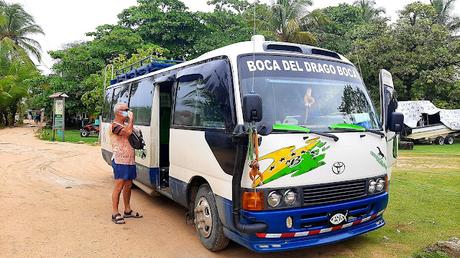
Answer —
252 108
397 121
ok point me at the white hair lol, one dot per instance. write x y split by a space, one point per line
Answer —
116 108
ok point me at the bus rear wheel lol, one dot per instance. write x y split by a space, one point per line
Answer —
207 221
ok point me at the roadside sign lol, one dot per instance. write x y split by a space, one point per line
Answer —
58 121
59 106
59 114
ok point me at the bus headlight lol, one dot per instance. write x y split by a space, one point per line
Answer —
371 188
380 185
290 197
274 199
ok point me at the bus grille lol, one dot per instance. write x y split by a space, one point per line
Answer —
335 192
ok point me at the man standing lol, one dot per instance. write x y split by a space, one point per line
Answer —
124 168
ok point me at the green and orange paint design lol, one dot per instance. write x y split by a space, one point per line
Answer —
292 161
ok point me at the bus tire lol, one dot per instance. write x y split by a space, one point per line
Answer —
207 222
449 140
439 140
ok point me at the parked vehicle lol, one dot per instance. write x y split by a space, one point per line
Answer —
325 157
89 129
423 122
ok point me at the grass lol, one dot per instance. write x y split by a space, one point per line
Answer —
69 136
434 149
424 204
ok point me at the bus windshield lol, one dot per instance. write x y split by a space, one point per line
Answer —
308 92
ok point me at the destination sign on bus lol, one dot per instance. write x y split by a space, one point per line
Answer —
261 65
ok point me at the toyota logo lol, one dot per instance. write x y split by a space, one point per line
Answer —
338 168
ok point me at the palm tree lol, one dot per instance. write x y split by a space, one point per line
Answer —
16 26
287 18
368 10
443 9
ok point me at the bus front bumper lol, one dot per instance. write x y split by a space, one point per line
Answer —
310 225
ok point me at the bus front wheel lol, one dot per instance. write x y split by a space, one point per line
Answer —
207 221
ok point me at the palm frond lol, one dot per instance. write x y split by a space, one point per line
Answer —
30 41
304 37
15 28
31 29
14 51
31 49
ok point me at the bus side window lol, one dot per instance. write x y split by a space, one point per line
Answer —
203 99
140 102
120 95
197 105
107 107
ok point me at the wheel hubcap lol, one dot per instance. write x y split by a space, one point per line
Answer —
203 217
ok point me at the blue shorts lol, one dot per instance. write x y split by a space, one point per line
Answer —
125 172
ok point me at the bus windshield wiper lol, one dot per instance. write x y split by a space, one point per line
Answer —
355 128
299 128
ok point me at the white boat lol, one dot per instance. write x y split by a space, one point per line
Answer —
425 122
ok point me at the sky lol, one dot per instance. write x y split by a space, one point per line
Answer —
67 21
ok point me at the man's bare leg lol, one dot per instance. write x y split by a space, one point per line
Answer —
127 194
119 183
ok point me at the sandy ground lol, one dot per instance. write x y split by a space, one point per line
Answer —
55 201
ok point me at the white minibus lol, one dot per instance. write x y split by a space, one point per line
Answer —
272 145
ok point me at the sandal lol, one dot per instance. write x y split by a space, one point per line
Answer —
132 214
118 219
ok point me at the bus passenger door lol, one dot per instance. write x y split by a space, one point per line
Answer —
164 118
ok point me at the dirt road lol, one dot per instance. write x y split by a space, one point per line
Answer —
55 202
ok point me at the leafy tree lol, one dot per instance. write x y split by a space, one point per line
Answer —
166 23
76 62
443 10
112 40
419 52
94 92
221 28
235 6
16 67
15 31
14 77
40 89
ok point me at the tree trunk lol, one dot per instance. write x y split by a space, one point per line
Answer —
2 121
5 118
13 111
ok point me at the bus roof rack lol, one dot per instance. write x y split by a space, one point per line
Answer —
144 66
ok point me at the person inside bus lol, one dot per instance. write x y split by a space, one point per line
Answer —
123 165
309 100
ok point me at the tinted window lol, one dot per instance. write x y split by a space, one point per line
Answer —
202 96
141 99
120 95
107 107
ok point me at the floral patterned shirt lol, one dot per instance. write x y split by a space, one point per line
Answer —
123 152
